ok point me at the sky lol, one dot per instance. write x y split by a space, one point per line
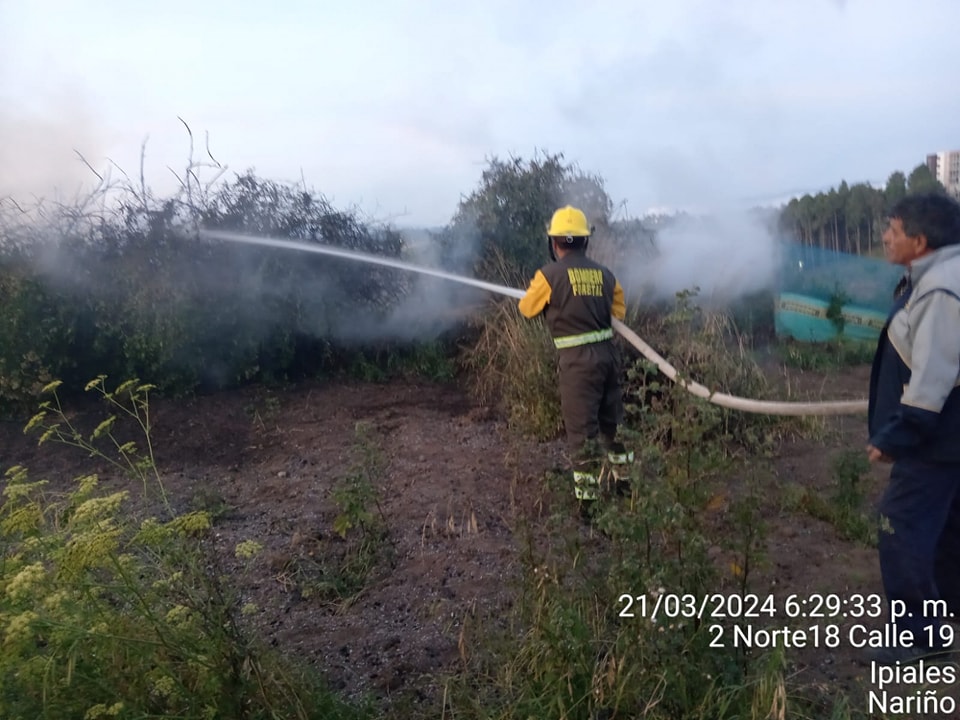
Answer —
395 108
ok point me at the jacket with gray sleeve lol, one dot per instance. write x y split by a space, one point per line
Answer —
915 380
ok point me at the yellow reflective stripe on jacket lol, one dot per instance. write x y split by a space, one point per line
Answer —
569 341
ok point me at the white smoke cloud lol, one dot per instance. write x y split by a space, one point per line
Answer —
726 254
433 305
39 149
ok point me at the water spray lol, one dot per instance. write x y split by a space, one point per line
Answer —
766 407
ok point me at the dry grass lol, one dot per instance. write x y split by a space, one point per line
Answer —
513 366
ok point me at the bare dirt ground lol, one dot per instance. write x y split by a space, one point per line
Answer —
453 487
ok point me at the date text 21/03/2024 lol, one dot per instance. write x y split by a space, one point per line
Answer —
662 605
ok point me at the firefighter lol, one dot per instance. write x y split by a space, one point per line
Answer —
578 296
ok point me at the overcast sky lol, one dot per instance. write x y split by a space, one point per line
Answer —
395 107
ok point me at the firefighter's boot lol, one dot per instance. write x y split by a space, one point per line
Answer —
619 460
586 485
587 469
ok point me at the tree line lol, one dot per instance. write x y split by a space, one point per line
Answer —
850 218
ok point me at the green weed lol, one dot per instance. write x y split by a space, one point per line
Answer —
334 568
705 346
264 409
844 508
107 611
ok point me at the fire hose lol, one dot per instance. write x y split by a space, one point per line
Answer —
766 407
733 402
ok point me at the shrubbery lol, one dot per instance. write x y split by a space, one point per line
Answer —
134 291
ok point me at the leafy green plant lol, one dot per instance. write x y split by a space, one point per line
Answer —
751 530
355 495
849 498
432 360
34 334
706 347
506 216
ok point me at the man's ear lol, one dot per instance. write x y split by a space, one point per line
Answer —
922 245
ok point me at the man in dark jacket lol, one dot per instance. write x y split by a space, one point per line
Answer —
914 422
578 298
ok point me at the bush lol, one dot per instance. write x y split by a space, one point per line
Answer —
35 336
134 291
121 284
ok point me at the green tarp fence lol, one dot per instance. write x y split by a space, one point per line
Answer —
815 283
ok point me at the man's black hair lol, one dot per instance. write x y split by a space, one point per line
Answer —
933 215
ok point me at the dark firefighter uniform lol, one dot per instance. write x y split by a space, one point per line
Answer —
578 296
914 418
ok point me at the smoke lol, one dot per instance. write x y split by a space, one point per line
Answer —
39 149
727 255
350 302
401 305
433 306
429 306
264 289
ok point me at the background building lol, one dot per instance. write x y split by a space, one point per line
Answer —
945 167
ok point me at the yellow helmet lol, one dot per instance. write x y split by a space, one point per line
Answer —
569 222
